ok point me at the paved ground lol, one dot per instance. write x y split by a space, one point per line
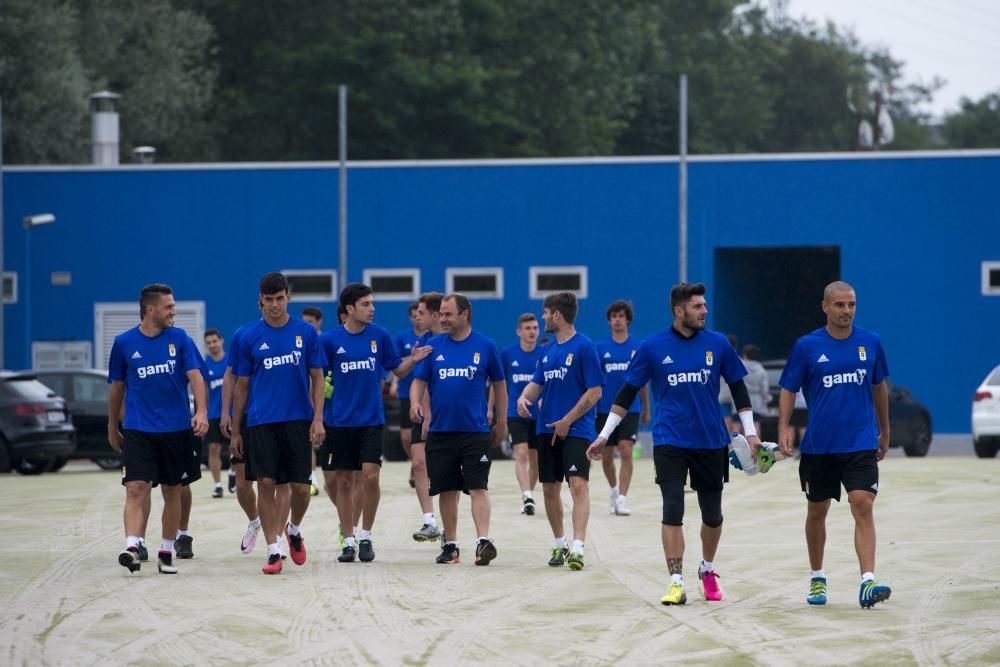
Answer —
65 600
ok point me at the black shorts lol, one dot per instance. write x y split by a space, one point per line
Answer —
822 474
194 463
347 447
799 418
214 434
404 414
567 458
522 431
416 434
458 461
709 468
628 429
159 458
280 451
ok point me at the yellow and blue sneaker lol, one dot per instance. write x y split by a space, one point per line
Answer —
817 591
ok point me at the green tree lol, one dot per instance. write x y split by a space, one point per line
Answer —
976 125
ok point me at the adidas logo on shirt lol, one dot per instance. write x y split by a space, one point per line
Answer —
440 357
484 459
263 346
515 363
136 355
341 350
822 359
607 355
667 360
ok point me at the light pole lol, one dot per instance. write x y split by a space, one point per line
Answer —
28 223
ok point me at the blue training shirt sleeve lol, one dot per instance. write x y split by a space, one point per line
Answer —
639 370
881 369
793 374
243 364
390 355
117 366
593 374
317 358
192 358
495 368
422 371
733 369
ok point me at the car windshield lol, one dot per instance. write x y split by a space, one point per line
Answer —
26 388
994 377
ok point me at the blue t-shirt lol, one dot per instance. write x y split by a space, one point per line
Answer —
214 372
566 371
836 378
686 374
519 368
357 361
456 374
405 341
154 370
615 358
277 361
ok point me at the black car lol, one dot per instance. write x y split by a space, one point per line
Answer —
909 421
86 394
35 427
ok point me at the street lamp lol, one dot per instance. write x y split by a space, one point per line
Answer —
28 223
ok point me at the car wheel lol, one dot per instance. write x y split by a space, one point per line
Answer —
32 466
4 456
985 448
109 463
57 464
921 439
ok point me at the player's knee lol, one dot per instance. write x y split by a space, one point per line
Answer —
710 503
673 503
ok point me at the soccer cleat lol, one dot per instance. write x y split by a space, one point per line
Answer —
347 554
485 552
621 506
249 538
143 552
183 545
449 555
427 533
674 595
528 506
575 561
871 594
232 482
559 555
273 565
817 591
165 563
313 489
297 548
340 537
217 493
366 553
130 559
710 584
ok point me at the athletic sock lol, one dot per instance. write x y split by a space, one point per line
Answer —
232 472
527 494
677 579
364 534
292 529
142 541
182 533
429 519
577 547
561 542
614 491
312 478
218 485
706 566
350 542
452 543
867 576
817 574
132 541
255 523
273 550
483 537
167 545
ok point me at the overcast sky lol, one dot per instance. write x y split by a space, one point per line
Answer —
957 40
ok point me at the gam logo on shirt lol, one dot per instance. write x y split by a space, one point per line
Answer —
700 377
282 360
518 378
556 374
215 384
857 377
468 372
363 365
145 371
612 367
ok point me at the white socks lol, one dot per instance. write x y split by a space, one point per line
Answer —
182 533
292 529
577 547
677 579
132 541
561 542
817 574
867 576
167 545
706 566
364 534
429 519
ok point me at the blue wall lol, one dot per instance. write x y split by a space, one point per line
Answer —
912 232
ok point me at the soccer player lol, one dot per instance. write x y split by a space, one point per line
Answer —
686 363
313 316
841 370
429 321
570 381
281 364
615 354
455 377
149 369
216 366
405 340
358 352
519 361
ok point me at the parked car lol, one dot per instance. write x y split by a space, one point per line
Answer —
986 416
910 423
86 394
35 427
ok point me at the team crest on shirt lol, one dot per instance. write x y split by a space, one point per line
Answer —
862 355
298 341
172 350
569 359
374 346
708 358
475 358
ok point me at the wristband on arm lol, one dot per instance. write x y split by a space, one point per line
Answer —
610 425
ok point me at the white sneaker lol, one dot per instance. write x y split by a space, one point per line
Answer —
613 507
249 538
621 508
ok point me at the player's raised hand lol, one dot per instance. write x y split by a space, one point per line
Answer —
420 353
595 452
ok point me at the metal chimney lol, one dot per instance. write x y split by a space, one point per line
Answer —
104 128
